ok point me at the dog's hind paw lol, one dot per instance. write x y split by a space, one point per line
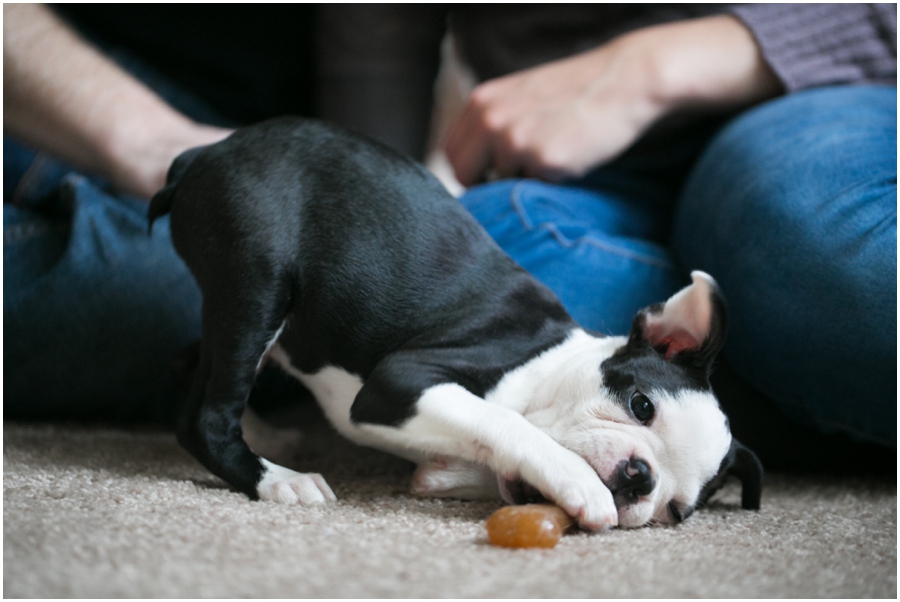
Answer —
285 486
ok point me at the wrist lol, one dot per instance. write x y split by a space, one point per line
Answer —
137 153
707 64
627 63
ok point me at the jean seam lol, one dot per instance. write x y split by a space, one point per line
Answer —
561 239
20 233
862 184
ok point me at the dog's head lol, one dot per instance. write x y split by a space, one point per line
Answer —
646 418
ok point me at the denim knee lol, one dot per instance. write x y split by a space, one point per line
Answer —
792 208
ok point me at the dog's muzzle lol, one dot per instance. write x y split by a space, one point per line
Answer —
631 481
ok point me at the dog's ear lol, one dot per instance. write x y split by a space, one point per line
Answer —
688 328
749 470
742 463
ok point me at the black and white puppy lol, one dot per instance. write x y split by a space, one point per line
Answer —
351 267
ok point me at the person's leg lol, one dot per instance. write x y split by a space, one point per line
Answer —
94 308
593 249
792 208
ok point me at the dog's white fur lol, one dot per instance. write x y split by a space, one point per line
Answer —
551 422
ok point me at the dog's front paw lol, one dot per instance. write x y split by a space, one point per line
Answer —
575 487
592 505
451 477
285 486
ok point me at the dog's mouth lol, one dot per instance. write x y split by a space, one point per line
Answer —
517 491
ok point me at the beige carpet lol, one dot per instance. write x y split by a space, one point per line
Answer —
104 512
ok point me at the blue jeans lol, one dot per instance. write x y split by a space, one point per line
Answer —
791 207
94 308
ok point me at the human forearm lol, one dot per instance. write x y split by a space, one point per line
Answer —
708 64
63 96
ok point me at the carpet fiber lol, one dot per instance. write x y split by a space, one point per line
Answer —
108 512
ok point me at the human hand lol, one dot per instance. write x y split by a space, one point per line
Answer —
565 117
554 120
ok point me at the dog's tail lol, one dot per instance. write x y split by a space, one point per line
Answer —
161 203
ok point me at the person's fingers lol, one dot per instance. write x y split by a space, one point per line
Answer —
468 147
512 148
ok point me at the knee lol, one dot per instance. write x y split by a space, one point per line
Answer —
792 208
805 182
793 154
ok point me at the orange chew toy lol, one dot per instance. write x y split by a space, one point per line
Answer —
528 526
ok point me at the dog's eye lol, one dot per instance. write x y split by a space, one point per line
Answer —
642 407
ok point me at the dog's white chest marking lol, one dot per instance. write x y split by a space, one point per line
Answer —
335 390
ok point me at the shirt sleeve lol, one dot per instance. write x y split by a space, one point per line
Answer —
809 45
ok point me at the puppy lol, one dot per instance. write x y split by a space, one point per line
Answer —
351 267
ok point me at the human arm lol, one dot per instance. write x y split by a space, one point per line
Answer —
61 95
562 118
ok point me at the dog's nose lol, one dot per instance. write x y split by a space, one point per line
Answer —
634 480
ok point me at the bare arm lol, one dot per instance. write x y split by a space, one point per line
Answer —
565 117
63 96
